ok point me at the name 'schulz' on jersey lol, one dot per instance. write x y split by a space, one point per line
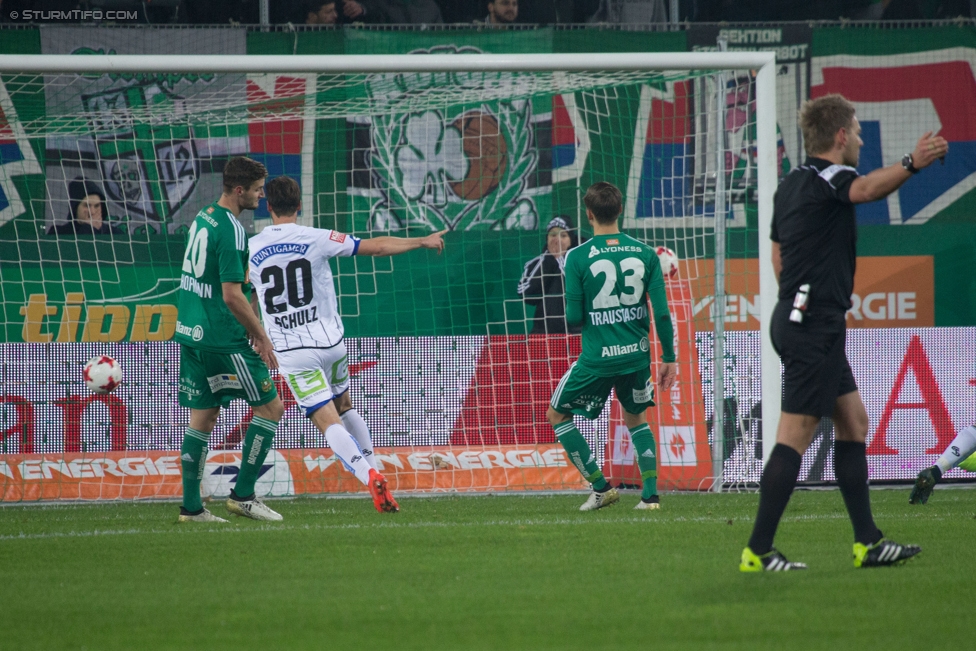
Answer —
289 267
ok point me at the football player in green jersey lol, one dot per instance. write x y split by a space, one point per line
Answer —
608 282
224 351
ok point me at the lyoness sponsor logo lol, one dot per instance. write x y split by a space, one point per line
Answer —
613 249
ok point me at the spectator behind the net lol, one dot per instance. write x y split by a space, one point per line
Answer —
502 12
403 12
542 284
334 12
88 212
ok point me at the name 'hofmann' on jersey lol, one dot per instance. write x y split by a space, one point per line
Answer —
190 284
620 315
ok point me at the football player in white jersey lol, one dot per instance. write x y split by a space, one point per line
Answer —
289 267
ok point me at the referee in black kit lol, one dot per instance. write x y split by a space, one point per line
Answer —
814 237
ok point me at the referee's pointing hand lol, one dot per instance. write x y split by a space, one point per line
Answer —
928 149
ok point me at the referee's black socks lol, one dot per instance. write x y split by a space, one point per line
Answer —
775 487
851 470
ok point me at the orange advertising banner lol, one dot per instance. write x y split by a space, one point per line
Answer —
156 474
678 418
889 292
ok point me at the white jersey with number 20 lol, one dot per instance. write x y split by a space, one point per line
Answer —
289 267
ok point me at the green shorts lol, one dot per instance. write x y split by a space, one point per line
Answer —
209 380
581 392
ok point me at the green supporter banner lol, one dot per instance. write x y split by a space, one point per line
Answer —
78 288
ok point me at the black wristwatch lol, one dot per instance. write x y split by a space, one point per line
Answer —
908 164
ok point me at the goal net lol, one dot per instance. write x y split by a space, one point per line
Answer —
106 160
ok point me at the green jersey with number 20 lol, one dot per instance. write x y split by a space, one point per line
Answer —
216 252
610 277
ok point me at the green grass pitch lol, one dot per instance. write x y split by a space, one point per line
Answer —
507 572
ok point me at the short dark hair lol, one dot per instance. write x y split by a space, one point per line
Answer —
604 201
284 196
242 171
821 119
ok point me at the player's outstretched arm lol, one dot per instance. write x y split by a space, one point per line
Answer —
882 182
387 245
240 307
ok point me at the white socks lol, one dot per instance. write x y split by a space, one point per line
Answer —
344 446
357 427
961 447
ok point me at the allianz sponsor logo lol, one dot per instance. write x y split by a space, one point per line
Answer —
619 315
191 284
278 249
195 333
467 460
617 350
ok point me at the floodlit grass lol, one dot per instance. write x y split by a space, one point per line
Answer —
505 572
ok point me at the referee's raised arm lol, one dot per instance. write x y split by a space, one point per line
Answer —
885 180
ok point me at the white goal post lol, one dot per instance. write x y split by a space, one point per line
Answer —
763 65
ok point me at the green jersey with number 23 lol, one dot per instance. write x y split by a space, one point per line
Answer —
611 276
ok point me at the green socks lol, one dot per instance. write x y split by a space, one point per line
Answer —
193 459
646 453
257 442
580 454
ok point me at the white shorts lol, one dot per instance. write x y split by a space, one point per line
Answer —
315 375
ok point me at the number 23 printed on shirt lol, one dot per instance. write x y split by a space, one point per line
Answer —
633 272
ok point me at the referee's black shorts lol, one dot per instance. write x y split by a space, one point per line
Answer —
816 370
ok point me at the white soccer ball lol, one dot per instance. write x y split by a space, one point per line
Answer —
102 374
669 261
